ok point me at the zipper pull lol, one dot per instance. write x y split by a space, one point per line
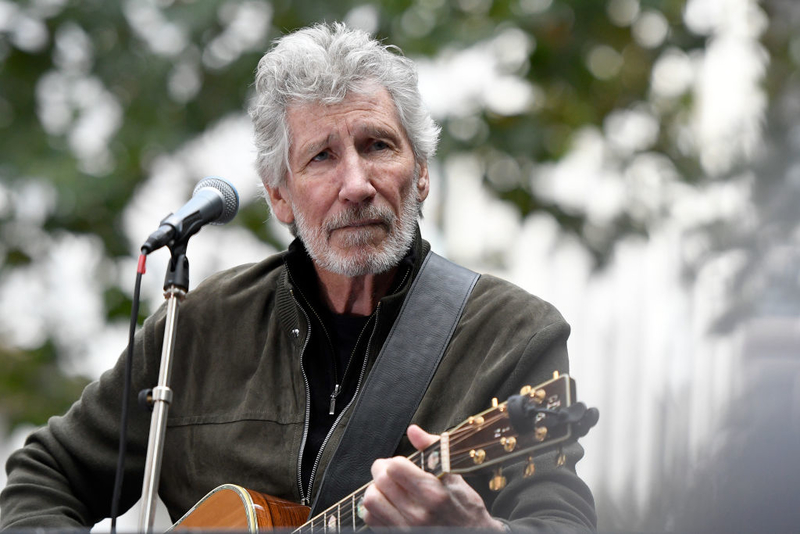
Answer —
336 389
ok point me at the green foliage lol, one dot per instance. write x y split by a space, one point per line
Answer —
155 120
33 387
119 306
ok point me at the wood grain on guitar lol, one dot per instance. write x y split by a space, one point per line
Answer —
540 418
234 507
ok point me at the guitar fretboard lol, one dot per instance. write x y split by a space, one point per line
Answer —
348 514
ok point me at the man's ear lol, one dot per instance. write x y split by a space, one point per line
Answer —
424 182
281 206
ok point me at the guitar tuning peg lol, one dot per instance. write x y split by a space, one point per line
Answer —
475 420
498 481
508 443
561 459
530 468
478 456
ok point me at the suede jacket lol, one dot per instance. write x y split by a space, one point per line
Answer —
240 402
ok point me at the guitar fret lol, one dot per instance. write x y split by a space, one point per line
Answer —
428 460
330 521
444 450
359 509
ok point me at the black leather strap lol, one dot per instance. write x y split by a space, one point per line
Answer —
400 376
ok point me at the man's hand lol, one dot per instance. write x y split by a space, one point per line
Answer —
403 495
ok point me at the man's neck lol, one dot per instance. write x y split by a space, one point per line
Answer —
354 295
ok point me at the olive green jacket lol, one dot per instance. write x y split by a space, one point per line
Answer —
239 408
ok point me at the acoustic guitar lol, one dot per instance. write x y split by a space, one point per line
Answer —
540 418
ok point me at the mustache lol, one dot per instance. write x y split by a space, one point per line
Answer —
358 214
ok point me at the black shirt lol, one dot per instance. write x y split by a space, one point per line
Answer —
335 353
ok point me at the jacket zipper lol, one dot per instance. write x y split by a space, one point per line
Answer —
305 497
336 380
355 395
307 422
338 389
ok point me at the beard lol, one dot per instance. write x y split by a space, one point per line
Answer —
362 250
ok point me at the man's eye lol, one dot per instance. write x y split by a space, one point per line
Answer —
322 156
380 145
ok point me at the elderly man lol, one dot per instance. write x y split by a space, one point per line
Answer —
272 357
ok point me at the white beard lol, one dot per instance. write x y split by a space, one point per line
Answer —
358 255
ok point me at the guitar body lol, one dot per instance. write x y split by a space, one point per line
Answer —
234 507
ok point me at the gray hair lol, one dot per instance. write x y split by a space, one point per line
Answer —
322 64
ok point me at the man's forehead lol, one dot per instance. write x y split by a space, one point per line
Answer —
376 101
357 129
315 123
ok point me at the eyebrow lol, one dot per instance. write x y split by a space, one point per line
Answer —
368 130
378 132
315 147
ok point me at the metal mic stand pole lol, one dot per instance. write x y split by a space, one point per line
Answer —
176 284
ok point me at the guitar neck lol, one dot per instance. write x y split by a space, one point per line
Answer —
537 419
349 512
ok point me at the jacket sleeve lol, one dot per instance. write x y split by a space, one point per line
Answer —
507 339
554 498
64 475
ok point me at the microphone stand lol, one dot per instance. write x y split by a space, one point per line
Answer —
176 285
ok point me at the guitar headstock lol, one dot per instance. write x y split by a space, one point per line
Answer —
540 417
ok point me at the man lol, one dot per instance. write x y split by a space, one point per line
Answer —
271 356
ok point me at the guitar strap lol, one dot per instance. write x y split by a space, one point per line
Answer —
400 376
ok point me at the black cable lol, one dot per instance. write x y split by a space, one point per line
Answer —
123 428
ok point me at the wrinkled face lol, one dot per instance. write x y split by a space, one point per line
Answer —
354 188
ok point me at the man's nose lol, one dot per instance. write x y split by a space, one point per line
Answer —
356 178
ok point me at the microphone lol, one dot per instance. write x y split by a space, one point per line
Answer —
214 201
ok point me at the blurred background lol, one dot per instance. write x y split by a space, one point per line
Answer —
635 162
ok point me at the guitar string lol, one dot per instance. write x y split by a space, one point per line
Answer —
457 436
345 506
349 509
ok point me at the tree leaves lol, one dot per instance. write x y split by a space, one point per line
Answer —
33 386
172 69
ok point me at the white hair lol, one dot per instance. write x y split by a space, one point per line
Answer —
323 64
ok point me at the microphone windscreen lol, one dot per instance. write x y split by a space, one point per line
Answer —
230 197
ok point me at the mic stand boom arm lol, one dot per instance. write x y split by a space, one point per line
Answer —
176 285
